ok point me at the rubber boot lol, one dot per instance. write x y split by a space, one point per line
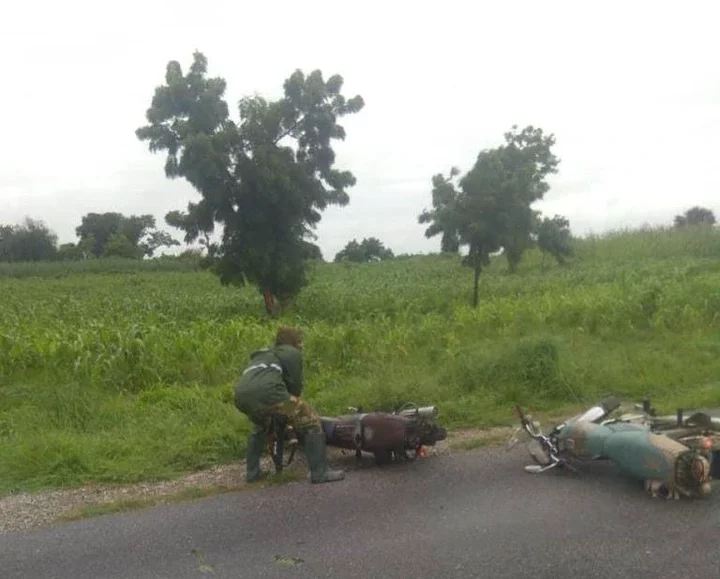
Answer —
316 452
255 445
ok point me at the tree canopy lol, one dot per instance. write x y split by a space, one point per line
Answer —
113 234
444 217
489 208
264 178
695 216
30 241
553 237
369 249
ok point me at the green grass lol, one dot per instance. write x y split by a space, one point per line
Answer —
120 375
59 269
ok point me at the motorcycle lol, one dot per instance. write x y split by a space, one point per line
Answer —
700 430
672 458
388 436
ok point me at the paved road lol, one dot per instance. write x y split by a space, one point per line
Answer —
474 514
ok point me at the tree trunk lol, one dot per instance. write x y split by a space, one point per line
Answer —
270 304
476 280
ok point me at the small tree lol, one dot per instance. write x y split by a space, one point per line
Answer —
135 236
489 207
265 179
369 249
120 246
155 240
528 161
351 252
30 241
554 238
695 216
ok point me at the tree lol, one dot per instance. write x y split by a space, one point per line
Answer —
528 160
554 238
443 217
695 216
369 249
156 240
98 228
6 242
313 252
30 241
265 179
194 228
69 252
518 237
490 206
120 246
481 218
133 237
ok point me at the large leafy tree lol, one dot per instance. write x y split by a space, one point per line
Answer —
489 208
265 178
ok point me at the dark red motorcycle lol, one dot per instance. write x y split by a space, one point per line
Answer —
389 436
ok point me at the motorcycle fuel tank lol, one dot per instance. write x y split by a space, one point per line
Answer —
640 453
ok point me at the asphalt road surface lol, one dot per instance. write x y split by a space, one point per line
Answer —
474 514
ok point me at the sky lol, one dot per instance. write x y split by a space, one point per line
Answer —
631 91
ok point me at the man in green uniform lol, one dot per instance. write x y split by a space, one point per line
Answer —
271 386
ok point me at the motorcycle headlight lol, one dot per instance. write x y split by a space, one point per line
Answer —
700 468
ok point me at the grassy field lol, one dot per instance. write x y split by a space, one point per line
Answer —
116 372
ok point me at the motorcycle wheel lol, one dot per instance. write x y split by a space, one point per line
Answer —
537 453
383 457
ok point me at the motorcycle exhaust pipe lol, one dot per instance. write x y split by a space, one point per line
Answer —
422 411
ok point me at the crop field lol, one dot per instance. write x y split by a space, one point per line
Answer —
118 372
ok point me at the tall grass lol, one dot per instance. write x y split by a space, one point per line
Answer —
111 265
128 376
653 242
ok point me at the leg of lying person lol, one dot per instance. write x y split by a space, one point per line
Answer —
306 422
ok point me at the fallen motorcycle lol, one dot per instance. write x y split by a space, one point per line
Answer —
671 461
388 436
699 430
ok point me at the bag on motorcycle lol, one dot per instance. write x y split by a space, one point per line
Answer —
370 432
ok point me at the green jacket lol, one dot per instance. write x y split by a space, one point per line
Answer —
272 376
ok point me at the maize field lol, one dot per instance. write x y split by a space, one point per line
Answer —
120 372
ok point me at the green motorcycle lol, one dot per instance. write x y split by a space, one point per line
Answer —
671 459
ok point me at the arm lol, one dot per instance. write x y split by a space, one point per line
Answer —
292 364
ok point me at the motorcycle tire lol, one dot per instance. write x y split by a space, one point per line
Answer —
383 457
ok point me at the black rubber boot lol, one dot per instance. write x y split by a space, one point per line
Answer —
255 445
316 452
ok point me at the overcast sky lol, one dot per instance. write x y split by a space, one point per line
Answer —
631 91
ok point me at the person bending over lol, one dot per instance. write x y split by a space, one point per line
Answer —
271 385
